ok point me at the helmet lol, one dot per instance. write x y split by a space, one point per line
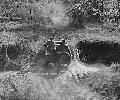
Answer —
51 38
63 41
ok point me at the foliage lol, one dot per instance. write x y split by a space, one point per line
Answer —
8 38
106 11
32 10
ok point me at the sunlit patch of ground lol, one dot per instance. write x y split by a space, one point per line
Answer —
34 87
5 74
66 86
77 67
51 73
103 81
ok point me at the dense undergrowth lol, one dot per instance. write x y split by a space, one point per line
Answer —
80 82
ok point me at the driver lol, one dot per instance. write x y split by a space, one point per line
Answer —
50 46
62 47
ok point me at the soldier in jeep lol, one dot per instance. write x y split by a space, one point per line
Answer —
50 46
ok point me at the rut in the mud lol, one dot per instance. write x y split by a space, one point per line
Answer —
10 56
99 52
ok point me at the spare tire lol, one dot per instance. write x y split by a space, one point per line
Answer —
64 58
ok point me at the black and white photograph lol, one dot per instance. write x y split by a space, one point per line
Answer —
59 50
